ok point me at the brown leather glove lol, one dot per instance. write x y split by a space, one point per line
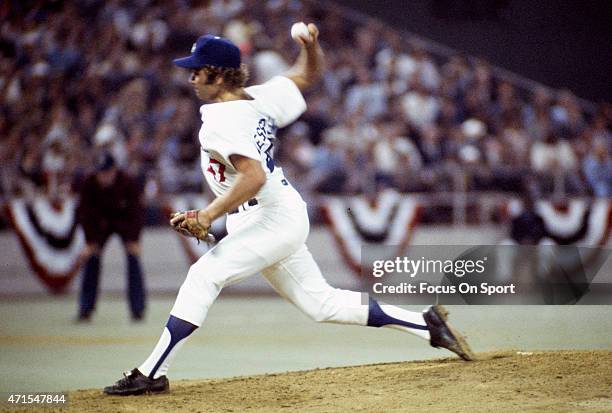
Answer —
189 224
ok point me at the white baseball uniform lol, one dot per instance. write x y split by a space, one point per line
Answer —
268 237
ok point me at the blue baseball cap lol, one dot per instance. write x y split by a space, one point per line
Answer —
211 50
105 161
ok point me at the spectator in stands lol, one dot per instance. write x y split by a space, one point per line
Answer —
366 96
109 139
431 146
420 107
600 129
434 154
552 155
426 72
329 168
567 119
597 168
266 62
393 64
396 159
97 63
556 164
536 114
456 77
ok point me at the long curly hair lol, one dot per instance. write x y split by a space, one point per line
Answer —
232 78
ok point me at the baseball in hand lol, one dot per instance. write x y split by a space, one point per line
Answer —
300 31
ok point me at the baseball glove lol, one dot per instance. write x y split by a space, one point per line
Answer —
188 224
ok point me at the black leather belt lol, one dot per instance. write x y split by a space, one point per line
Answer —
250 202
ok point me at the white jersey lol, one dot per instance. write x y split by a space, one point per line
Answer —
248 128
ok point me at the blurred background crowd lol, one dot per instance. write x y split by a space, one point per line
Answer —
81 76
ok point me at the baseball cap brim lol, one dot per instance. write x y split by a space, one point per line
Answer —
189 62
105 162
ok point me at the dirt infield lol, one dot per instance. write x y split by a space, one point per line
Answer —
509 381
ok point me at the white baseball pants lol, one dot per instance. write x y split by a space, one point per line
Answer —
269 239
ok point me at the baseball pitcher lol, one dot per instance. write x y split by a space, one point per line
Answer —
267 222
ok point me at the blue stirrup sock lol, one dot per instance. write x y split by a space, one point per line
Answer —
172 339
398 318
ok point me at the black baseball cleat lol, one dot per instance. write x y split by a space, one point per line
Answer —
134 383
443 335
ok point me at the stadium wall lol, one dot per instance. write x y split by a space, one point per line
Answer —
166 265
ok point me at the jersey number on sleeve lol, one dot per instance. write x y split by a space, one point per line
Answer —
217 169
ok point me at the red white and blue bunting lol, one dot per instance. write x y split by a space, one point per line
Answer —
387 219
580 222
50 238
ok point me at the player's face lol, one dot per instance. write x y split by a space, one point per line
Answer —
107 178
202 85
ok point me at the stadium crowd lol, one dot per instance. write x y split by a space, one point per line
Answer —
83 75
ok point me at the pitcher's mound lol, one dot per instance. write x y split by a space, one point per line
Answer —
508 381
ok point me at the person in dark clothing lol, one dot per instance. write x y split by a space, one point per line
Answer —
528 228
110 203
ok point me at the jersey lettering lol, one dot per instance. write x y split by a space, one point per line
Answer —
217 169
264 136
